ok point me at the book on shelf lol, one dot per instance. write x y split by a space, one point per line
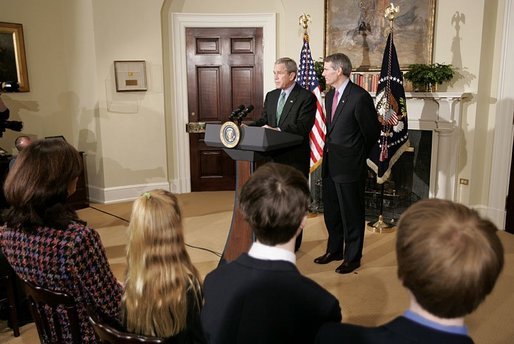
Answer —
366 80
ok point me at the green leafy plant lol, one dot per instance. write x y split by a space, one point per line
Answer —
318 68
425 76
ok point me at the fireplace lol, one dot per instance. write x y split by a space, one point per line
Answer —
409 180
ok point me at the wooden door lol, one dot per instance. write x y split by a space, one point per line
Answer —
224 70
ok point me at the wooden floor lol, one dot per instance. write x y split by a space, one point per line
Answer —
370 296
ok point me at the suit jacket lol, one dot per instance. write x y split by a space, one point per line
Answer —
263 301
297 118
350 134
399 331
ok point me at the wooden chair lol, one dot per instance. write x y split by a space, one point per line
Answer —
108 334
7 278
50 330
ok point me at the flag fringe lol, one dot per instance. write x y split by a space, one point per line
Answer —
392 161
316 165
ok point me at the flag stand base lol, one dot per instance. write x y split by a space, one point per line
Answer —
380 226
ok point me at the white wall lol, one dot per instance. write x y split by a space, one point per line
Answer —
462 49
49 76
71 46
129 126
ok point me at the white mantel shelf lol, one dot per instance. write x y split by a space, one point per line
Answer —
435 95
438 95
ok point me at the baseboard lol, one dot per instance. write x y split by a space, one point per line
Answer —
122 193
497 216
180 185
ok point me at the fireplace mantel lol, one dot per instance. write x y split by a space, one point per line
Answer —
441 113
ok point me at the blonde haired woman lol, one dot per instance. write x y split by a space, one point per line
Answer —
163 295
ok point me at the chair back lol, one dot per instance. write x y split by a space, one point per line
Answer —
7 278
108 334
44 302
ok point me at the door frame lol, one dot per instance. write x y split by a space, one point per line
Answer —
503 129
178 139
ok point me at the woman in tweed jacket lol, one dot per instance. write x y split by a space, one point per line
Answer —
46 243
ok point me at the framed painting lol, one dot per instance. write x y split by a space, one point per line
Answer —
13 64
130 75
359 29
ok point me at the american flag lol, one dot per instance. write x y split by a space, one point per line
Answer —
392 114
307 79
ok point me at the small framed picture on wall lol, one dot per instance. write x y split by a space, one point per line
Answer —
130 75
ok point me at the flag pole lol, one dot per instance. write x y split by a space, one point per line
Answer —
315 181
304 22
380 226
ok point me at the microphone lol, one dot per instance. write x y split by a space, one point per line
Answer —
245 112
236 111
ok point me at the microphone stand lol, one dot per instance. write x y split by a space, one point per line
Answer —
243 113
237 120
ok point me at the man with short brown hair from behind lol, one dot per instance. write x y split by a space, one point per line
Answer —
449 259
261 297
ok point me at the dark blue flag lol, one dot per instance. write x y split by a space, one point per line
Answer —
392 113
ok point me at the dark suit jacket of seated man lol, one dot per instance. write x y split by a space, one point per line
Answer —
261 297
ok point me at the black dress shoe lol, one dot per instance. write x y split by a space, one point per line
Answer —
328 257
348 267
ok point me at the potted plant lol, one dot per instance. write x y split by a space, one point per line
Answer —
425 77
318 68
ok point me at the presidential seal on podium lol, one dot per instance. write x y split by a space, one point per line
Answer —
230 134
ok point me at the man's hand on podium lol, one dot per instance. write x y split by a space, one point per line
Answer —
268 127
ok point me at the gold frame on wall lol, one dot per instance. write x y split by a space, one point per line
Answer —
359 29
13 63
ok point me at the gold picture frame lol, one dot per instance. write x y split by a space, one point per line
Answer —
13 63
130 75
359 29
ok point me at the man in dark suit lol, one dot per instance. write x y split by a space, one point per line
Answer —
352 129
261 297
292 109
449 259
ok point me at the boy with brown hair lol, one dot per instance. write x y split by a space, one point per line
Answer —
449 259
261 297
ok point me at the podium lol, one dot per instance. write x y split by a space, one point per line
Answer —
255 143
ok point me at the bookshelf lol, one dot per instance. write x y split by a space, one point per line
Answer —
366 80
